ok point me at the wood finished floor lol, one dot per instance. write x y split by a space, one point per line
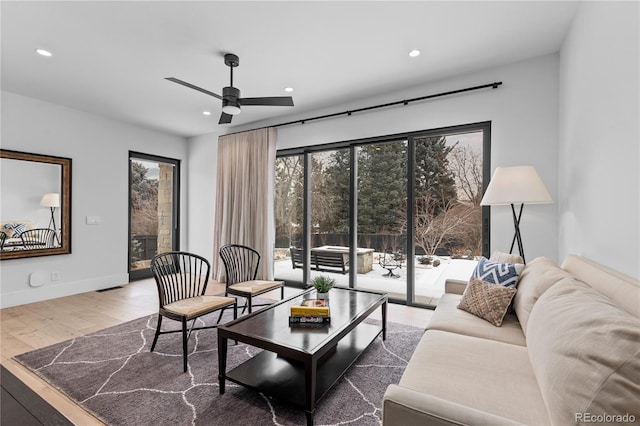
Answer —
37 325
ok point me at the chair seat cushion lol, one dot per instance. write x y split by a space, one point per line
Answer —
254 287
199 305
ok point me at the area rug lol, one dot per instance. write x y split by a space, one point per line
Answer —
113 375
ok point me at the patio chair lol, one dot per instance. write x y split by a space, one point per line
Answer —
389 262
241 267
182 280
38 238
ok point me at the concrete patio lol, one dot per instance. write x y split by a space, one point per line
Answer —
429 281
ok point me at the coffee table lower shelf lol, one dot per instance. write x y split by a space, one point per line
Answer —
284 378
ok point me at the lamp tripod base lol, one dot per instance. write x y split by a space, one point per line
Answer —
52 225
517 237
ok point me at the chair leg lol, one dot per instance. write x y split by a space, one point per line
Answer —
244 307
155 338
221 310
281 292
184 342
249 300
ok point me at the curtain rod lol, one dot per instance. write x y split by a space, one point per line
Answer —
493 85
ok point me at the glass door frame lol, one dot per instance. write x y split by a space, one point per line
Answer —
306 152
143 273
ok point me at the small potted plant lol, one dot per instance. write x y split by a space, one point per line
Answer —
322 285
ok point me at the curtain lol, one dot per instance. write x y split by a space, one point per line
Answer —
244 197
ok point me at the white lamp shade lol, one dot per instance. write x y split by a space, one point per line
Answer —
50 200
515 185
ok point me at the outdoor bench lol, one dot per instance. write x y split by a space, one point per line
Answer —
325 261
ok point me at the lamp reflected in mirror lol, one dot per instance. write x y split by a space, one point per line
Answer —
52 201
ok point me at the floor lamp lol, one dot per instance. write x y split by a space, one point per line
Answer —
516 185
52 201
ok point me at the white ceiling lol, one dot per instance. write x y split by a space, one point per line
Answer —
111 58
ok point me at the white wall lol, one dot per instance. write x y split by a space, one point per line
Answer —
99 150
203 158
524 116
600 136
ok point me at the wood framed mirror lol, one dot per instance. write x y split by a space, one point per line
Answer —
35 213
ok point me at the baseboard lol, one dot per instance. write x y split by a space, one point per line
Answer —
38 294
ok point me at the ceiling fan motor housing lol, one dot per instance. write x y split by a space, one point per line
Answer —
230 96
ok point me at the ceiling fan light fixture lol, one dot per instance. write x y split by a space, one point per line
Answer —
231 108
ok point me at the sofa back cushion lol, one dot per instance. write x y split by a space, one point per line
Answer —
622 289
502 257
585 354
537 277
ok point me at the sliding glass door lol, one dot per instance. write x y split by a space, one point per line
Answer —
447 217
404 211
382 217
153 210
289 218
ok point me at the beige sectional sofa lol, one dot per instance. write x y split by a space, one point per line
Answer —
569 354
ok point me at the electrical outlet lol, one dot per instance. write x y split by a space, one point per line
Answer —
93 220
55 276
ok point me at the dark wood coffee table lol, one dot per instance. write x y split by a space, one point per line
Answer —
300 364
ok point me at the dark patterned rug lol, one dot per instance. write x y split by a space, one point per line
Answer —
113 375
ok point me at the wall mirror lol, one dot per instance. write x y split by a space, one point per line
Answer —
35 205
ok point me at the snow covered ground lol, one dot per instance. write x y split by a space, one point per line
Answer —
429 282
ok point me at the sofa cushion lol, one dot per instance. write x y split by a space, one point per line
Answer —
585 353
482 374
505 274
447 317
539 274
501 257
486 300
622 289
14 230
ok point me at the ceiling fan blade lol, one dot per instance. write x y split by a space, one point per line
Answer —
225 118
191 86
272 101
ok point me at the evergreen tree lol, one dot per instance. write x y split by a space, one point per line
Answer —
433 175
381 188
337 176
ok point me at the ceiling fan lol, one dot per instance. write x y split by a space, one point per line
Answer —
231 100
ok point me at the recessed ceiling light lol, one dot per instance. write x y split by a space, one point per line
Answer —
414 53
288 89
43 52
206 112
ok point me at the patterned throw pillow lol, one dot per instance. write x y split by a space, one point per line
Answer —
16 228
504 274
486 300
